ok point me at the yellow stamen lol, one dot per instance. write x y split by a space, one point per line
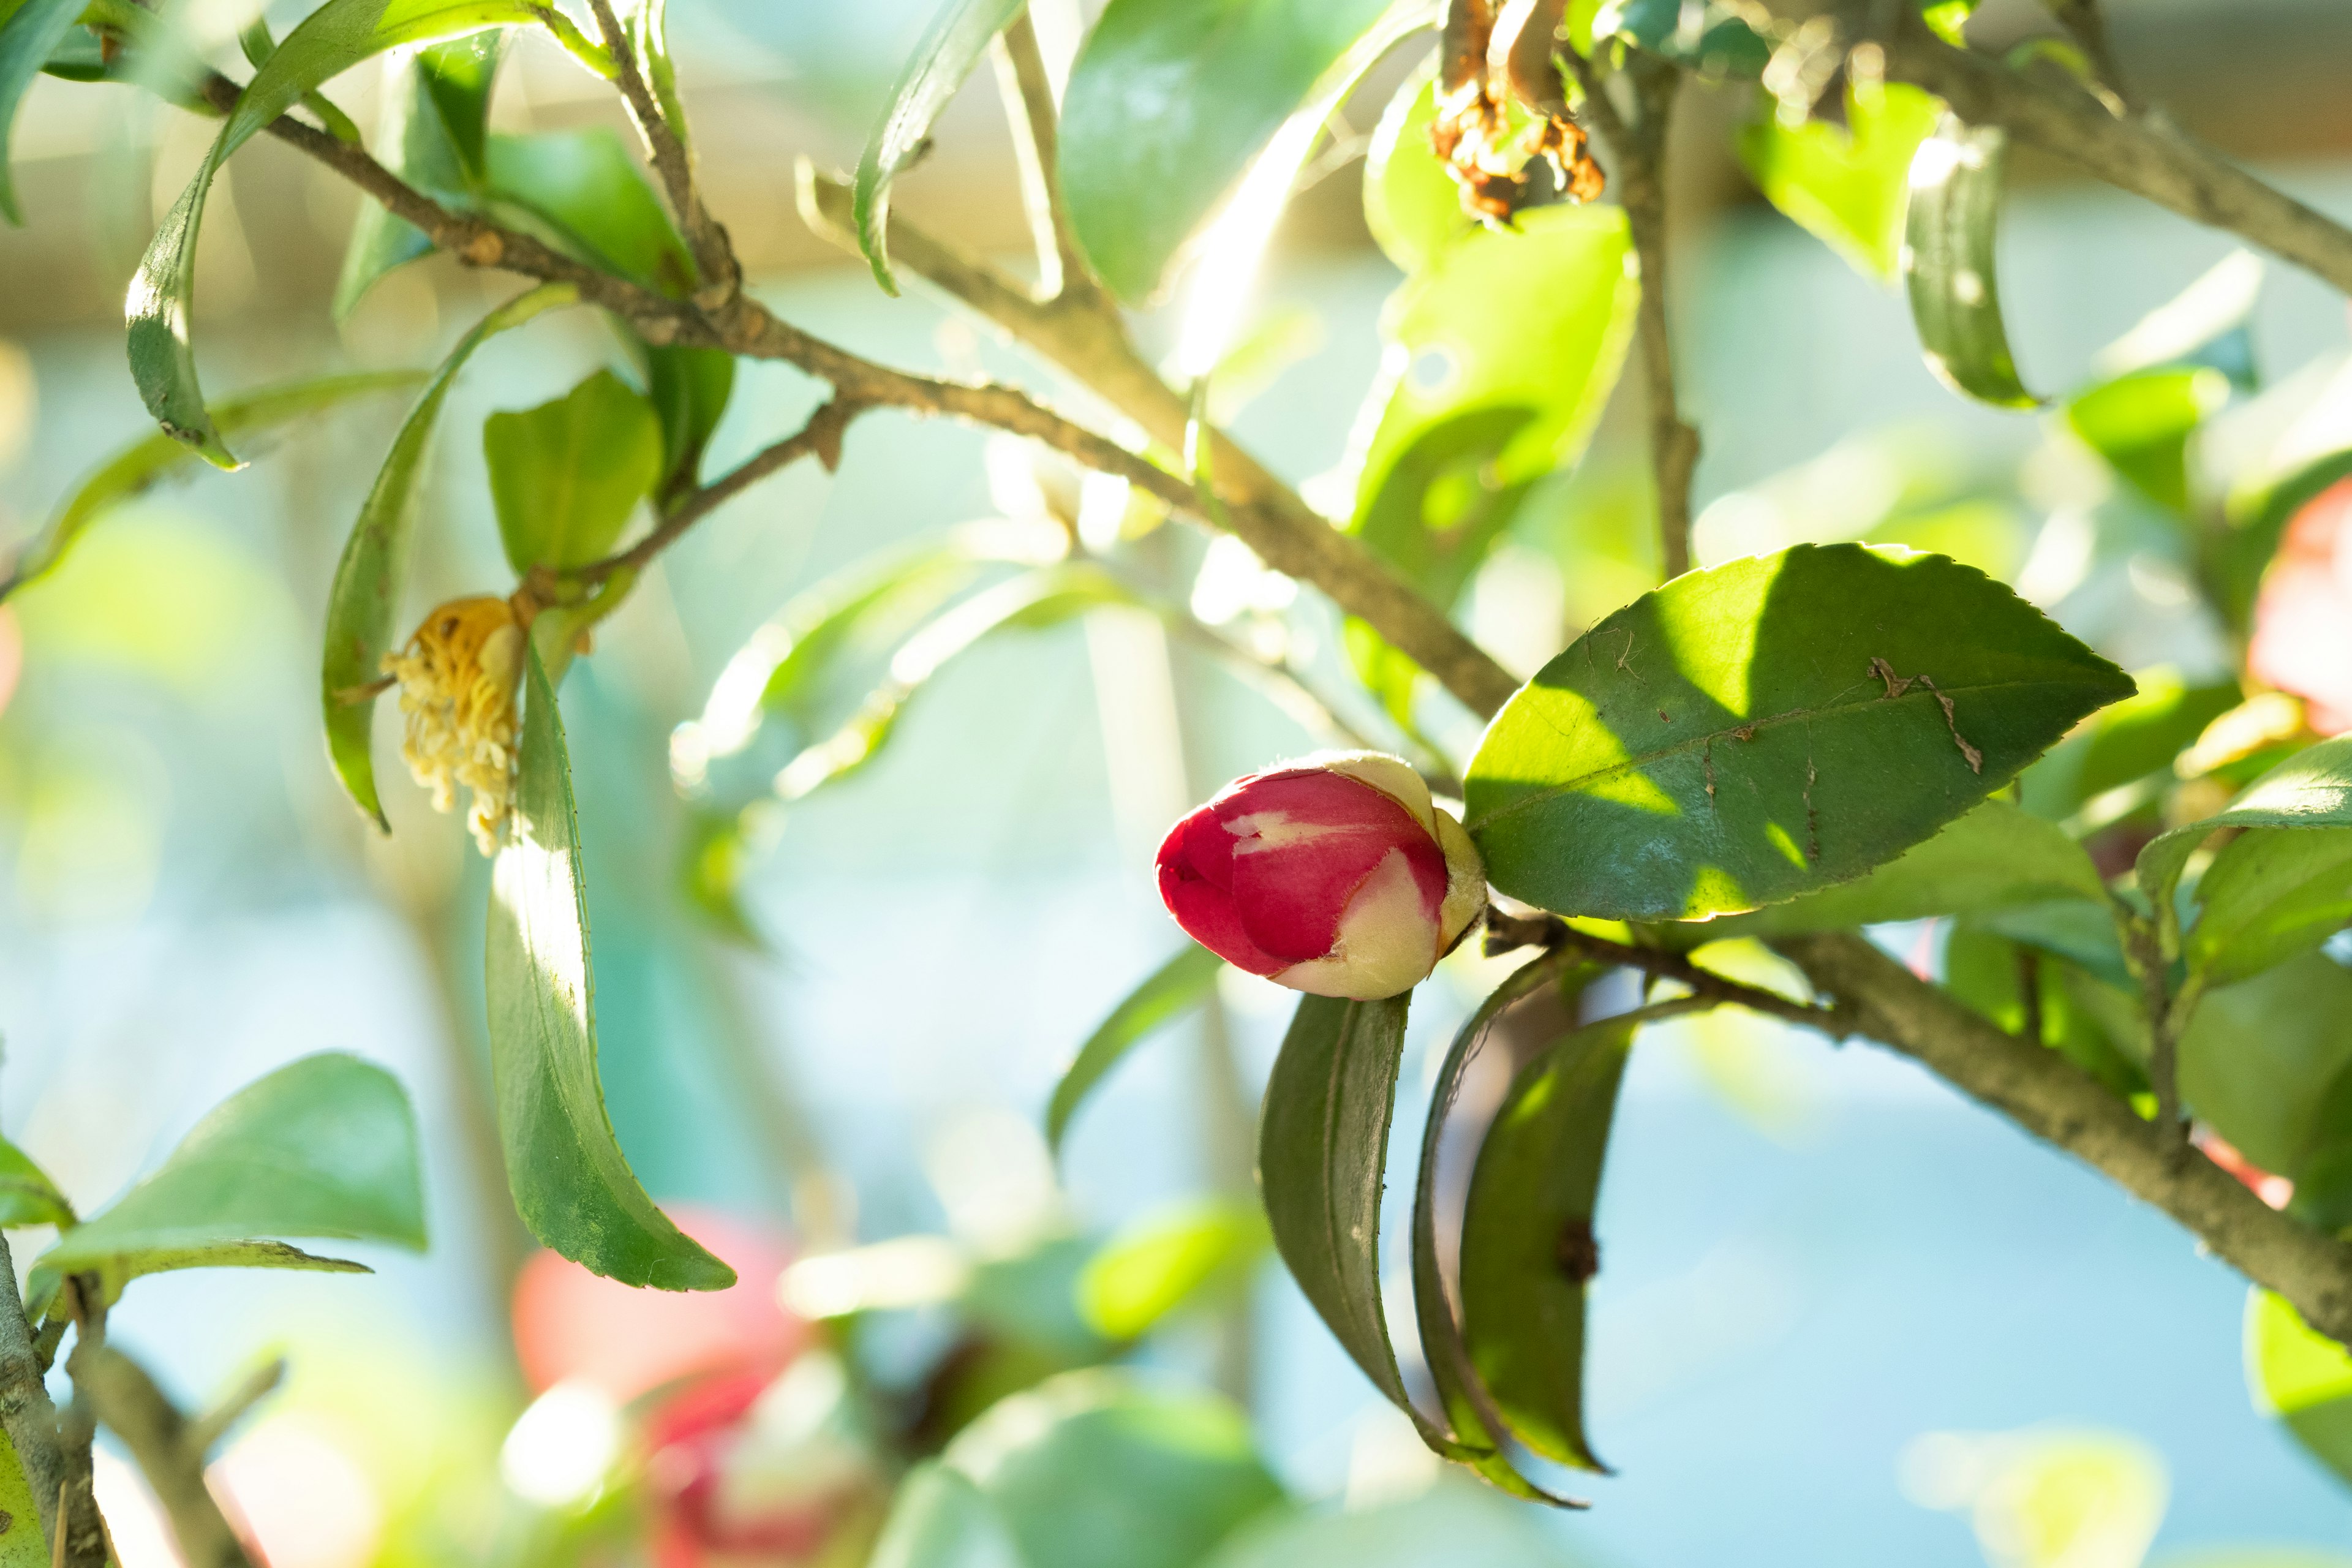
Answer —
458 677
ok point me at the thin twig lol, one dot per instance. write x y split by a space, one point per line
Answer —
1637 140
167 1450
819 439
257 1386
2088 26
1506 931
714 257
1028 96
27 1415
79 1524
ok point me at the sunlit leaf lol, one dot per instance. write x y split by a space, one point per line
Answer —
1996 857
430 131
1770 727
331 39
27 1196
1948 264
1985 970
2141 424
20 1535
959 34
646 23
584 194
2127 742
2310 789
572 1184
1848 185
368 578
1156 1265
2267 897
2258 1058
1175 988
1167 103
2302 1377
29 33
154 458
325 1147
565 475
1411 204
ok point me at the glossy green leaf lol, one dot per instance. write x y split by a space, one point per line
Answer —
1948 263
1847 185
566 476
2141 424
1996 857
1527 1249
583 192
1167 103
374 564
30 33
938 1518
1984 970
325 1147
2300 1376
1770 727
949 47
2258 1058
431 132
1093 1470
2269 896
1160 1263
2310 789
689 389
155 458
1172 990
1323 1143
1411 204
646 23
27 1196
2127 742
572 1184
331 39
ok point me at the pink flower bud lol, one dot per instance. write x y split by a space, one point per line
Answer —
1335 874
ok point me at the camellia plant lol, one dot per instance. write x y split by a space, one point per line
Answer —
1713 792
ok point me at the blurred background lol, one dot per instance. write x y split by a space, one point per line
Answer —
1838 1304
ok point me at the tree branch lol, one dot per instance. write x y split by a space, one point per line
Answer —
2141 153
1637 142
27 1415
2056 1101
714 256
168 1451
1505 931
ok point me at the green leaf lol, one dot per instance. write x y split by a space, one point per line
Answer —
1847 185
1528 1251
648 25
374 563
2300 1376
430 132
154 458
940 1520
688 388
1091 1471
325 1147
27 1196
29 33
1998 857
572 1184
1768 727
960 32
583 193
1168 102
2125 744
1411 204
2269 896
2258 1058
1949 242
1986 970
1323 1143
2310 789
331 39
1156 1265
565 475
2141 424
20 1519
1172 990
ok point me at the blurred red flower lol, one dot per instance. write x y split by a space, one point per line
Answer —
2302 619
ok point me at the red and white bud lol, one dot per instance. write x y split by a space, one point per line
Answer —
1336 874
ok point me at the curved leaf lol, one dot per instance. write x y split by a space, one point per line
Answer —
430 132
1155 1265
1948 263
336 37
2310 789
1767 728
325 1147
566 475
1998 857
1411 204
2141 424
27 1196
374 563
949 47
1846 185
2302 1377
153 459
2267 897
572 1184
584 194
1175 988
29 33
1167 103
1322 1146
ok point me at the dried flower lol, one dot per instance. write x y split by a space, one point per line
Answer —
1495 57
458 677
